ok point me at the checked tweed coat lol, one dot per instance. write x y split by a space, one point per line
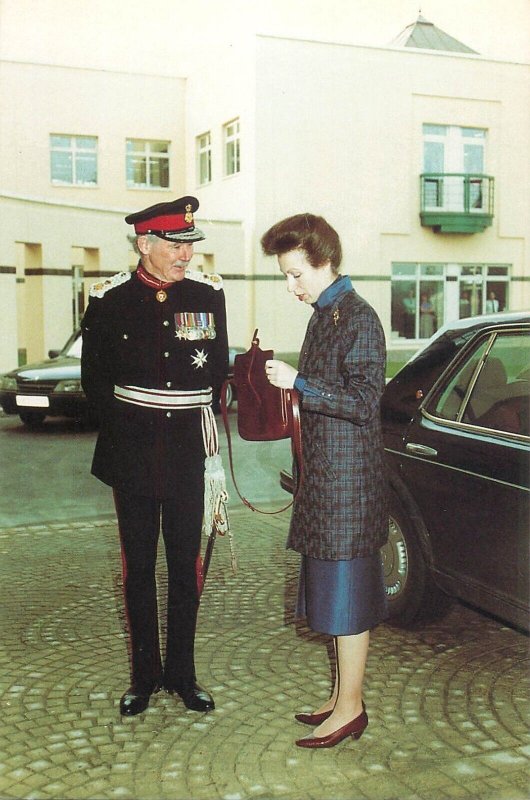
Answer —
340 511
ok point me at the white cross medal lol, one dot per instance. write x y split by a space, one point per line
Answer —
199 359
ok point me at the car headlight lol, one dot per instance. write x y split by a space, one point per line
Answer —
8 383
70 385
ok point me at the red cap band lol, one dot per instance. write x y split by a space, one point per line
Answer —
169 223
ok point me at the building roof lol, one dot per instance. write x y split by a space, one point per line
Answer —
425 35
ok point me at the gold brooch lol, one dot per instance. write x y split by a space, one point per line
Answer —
336 316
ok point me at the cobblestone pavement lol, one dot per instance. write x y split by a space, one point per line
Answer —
447 704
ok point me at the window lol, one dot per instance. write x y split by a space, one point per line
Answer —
73 160
482 290
204 158
147 164
417 300
492 389
232 148
424 296
453 158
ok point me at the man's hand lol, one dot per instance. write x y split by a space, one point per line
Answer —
280 374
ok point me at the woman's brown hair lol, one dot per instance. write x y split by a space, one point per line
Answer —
319 241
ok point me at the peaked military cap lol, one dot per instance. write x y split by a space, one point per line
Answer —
172 221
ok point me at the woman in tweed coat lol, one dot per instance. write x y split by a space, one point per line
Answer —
340 520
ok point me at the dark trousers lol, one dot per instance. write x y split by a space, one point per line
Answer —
139 520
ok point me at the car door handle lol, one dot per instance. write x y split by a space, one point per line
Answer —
420 449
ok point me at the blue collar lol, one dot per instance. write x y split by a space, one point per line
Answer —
340 286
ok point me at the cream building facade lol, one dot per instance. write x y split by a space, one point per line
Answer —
418 156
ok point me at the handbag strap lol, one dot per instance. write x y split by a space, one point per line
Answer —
296 447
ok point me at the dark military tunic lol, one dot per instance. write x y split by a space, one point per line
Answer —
132 339
136 346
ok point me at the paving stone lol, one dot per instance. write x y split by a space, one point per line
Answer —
448 705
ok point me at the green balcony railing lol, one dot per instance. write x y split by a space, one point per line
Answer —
456 202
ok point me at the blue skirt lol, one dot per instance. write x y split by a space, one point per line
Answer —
342 598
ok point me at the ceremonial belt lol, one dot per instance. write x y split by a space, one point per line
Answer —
164 398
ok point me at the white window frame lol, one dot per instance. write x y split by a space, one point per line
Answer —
76 151
490 276
232 147
204 158
149 156
447 193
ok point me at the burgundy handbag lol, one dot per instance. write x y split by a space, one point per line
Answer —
264 412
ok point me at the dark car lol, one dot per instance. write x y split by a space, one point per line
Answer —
47 388
53 387
457 440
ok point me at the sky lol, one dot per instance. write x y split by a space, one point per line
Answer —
169 36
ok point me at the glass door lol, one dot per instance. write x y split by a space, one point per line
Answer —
457 153
470 291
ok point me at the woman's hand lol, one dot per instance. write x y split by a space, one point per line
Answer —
280 374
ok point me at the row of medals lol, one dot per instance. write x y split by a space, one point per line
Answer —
184 332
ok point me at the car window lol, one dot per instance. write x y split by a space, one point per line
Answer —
74 351
451 399
492 388
501 394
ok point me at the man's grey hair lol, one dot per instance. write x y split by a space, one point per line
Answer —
133 239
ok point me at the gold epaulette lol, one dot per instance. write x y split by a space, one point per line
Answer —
213 280
98 289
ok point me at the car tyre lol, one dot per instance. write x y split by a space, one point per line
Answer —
413 597
32 419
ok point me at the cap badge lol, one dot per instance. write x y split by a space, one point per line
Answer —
161 296
188 216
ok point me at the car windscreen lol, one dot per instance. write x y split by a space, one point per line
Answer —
74 349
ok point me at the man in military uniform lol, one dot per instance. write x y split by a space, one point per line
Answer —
154 349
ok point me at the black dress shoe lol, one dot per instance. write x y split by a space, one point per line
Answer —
193 696
135 701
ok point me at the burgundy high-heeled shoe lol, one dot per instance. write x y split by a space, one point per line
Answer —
312 719
355 729
316 719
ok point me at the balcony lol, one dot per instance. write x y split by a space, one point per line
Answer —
456 202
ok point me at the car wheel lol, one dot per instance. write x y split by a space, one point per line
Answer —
32 419
413 598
